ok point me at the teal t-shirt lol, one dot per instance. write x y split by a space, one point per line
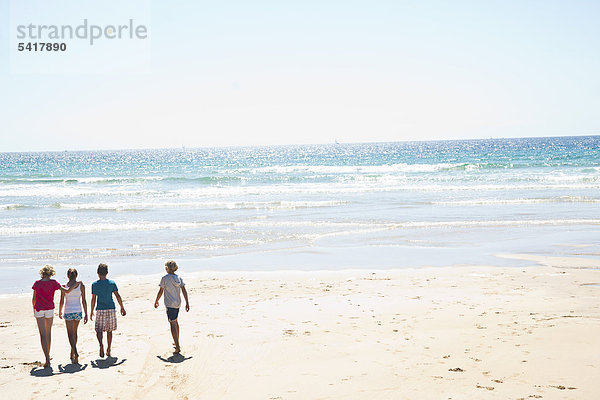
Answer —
103 289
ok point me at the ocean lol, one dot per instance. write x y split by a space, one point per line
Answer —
304 207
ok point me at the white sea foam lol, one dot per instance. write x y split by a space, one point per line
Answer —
568 178
375 187
330 188
337 227
350 169
51 191
11 206
419 224
562 199
492 223
226 205
101 227
356 183
72 180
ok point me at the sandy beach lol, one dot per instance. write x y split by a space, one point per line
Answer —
366 201
429 333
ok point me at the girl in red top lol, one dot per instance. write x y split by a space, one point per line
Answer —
43 306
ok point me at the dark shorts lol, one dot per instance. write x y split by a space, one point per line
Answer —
172 313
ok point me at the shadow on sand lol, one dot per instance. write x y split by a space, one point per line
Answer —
107 362
41 371
71 368
175 358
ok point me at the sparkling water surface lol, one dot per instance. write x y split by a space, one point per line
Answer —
369 205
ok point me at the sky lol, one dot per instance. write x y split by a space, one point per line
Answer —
281 72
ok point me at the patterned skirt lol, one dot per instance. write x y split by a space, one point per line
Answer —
73 316
106 320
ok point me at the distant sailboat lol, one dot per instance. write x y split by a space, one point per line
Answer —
336 141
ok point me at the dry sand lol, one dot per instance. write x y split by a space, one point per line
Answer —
430 333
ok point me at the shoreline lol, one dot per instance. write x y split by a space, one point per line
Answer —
460 332
221 265
311 260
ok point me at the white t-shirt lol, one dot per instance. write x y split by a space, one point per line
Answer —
172 284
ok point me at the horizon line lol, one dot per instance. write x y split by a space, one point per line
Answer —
333 143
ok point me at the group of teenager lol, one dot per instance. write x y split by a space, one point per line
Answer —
73 306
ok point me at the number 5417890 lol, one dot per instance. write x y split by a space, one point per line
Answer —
42 46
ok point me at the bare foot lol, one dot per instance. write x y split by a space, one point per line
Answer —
108 352
47 364
76 359
177 350
101 351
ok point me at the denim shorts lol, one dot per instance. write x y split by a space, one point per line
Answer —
172 313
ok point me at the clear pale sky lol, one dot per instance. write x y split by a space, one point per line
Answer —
282 72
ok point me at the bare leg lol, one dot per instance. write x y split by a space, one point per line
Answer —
175 334
69 329
41 323
48 323
72 334
99 336
109 340
75 326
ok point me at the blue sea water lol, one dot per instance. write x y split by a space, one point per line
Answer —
369 205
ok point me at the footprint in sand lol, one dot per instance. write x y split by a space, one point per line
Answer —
32 364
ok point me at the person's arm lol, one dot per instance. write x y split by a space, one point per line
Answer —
63 290
185 296
92 307
118 296
33 301
158 296
84 303
60 306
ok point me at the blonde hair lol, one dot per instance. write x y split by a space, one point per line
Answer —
47 271
171 265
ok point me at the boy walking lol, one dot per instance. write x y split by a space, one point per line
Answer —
106 320
171 285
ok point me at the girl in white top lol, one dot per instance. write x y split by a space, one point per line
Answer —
73 311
